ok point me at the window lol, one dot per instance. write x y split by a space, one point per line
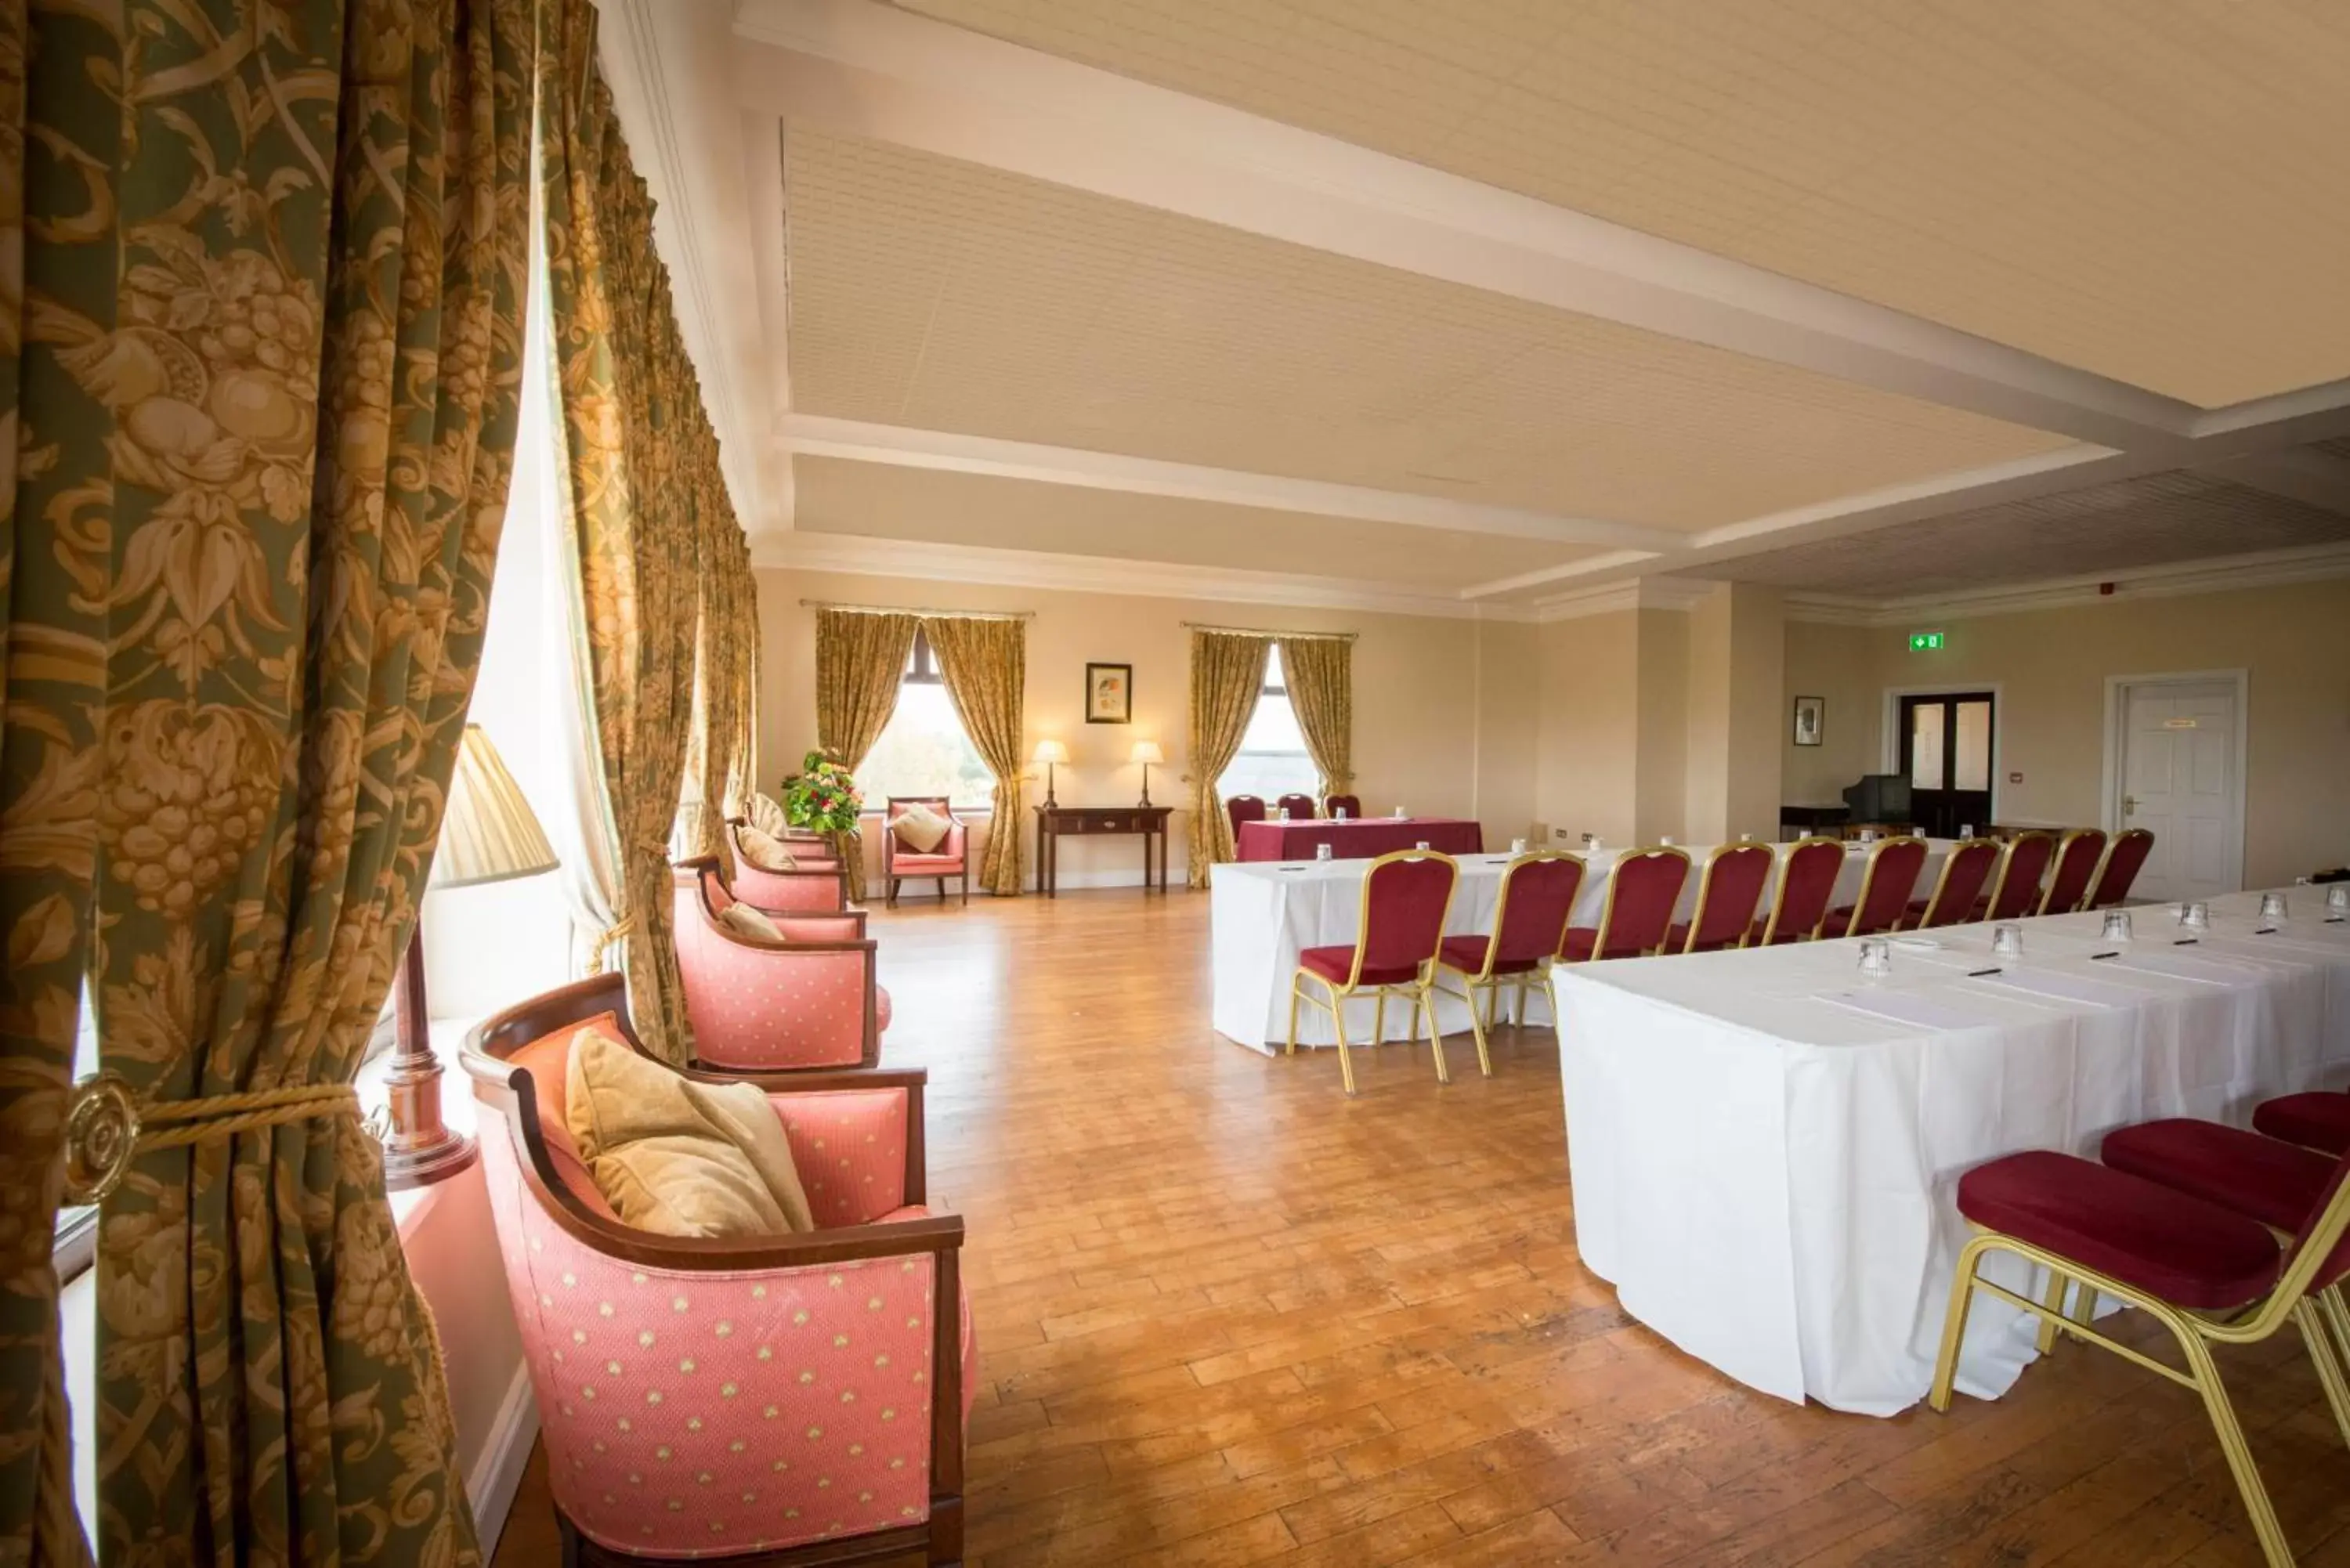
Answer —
1272 760
922 749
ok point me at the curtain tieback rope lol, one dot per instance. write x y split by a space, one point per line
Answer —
107 1125
619 930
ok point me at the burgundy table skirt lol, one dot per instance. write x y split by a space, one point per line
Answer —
1358 839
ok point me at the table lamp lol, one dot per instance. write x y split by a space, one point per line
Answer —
1051 753
487 834
1147 753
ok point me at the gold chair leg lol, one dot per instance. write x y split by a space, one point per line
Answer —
1477 1027
1550 991
1294 985
1379 1017
2205 1374
2053 1299
2337 1313
2328 1362
1426 998
1338 1025
1954 1323
2084 1304
1518 1014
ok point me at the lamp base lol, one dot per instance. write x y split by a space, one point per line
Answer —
419 1149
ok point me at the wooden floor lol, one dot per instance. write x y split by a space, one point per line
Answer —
1227 1316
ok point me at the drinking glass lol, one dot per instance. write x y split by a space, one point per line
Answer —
1340 814
1666 839
1284 815
2337 902
2196 916
1966 830
1421 846
1875 956
1868 835
2117 925
2273 908
1399 814
1745 838
1321 852
2007 940
1517 847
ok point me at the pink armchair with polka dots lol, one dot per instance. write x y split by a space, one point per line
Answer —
808 1002
799 1398
818 885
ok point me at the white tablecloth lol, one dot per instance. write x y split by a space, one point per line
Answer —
1765 1145
1262 914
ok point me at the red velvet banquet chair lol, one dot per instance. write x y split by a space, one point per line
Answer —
945 859
2209 1275
1729 893
2015 892
815 884
1301 807
2077 854
2319 1119
778 1400
1885 889
1806 887
1530 920
1407 896
2125 859
1959 890
1352 805
1643 888
808 1000
1243 808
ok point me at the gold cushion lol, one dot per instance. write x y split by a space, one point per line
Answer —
679 1158
768 818
765 851
745 921
922 828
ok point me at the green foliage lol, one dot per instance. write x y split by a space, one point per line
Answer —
822 795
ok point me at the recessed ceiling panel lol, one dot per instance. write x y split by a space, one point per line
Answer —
836 495
2160 519
939 294
2150 191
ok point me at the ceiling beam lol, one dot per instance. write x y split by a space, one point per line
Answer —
856 68
898 445
2313 478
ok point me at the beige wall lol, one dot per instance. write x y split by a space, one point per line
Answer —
1736 669
1661 794
1586 757
2051 669
1424 690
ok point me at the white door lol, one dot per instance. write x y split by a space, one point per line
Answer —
2178 778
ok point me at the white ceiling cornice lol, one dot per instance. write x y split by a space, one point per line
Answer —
928 562
2265 570
868 442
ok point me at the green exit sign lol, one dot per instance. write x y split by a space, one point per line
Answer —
1925 641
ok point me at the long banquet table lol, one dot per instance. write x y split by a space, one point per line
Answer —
1262 915
1765 1144
1356 838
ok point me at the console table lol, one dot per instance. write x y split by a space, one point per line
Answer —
1055 823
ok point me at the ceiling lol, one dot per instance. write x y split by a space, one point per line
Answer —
1478 306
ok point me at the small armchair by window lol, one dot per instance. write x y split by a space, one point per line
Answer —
917 856
807 1000
660 1363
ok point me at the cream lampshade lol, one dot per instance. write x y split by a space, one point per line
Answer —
1146 752
488 834
1051 753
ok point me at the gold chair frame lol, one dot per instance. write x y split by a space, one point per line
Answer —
2056 863
1421 991
1779 887
1607 906
2007 859
1705 888
1868 883
1492 984
1942 881
2196 1334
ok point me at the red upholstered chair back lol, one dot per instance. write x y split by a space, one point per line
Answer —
2017 893
1299 806
1642 892
2124 859
2076 862
1352 805
1806 887
1406 896
1964 872
1888 884
1731 890
1244 809
1537 899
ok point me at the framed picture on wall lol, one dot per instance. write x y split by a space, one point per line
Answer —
1810 713
1110 693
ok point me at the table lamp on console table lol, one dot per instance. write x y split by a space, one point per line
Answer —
1050 753
487 834
1147 753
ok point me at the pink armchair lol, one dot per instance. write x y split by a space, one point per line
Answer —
946 860
818 885
810 1001
771 1400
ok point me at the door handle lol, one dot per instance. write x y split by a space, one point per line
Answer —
2129 805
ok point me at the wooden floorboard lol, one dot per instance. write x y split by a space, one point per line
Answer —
1227 1316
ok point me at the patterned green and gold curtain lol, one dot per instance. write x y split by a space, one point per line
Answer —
261 382
1227 675
859 660
1319 672
983 664
643 480
718 770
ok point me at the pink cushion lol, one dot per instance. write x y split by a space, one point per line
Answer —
907 861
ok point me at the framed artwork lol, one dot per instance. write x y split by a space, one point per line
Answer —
1811 714
1110 693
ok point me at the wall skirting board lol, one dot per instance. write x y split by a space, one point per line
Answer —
497 1472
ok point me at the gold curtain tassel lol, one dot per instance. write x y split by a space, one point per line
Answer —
618 932
106 1125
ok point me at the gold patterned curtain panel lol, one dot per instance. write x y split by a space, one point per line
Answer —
983 664
641 472
726 641
1227 674
1319 674
263 277
860 661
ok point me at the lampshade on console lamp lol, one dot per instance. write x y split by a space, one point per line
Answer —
1147 753
487 834
1051 753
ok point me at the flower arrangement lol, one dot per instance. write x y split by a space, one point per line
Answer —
822 795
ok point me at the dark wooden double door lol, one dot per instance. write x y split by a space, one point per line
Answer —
1946 754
